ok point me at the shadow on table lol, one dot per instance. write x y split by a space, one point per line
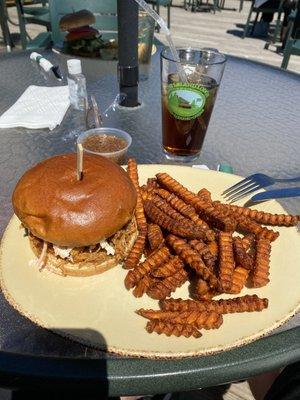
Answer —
62 381
213 393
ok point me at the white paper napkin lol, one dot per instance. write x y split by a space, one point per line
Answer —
38 107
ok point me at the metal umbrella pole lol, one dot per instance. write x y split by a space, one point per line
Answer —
128 71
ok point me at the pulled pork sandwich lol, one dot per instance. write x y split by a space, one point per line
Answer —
77 228
81 39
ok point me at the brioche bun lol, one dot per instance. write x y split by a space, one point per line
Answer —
57 208
76 20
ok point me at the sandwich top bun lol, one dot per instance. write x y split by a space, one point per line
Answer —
76 20
57 208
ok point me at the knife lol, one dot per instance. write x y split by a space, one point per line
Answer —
276 194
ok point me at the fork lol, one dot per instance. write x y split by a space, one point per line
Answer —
250 184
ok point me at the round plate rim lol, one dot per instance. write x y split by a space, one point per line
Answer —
143 354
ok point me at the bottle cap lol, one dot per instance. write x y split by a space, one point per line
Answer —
74 66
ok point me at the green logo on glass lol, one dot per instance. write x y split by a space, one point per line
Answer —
186 100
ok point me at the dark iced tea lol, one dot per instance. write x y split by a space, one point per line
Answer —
186 111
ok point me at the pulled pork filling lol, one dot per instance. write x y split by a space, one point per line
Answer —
116 245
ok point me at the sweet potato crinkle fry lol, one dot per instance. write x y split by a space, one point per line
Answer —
201 288
247 303
169 268
213 248
248 225
266 218
205 194
155 236
132 171
226 260
186 210
204 251
220 219
240 274
242 258
199 319
182 228
139 209
142 286
192 258
239 279
260 276
163 206
136 252
169 329
188 236
163 288
153 261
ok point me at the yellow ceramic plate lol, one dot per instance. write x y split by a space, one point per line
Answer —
99 311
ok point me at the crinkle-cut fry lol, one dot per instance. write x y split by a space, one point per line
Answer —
170 268
226 260
220 219
199 319
201 287
239 279
136 252
248 225
140 215
265 218
153 261
163 288
260 273
164 206
168 328
247 303
187 210
242 258
204 251
155 236
240 274
207 296
181 305
205 194
213 248
132 171
152 183
247 241
142 286
191 257
182 228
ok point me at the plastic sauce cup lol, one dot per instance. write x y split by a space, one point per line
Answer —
117 156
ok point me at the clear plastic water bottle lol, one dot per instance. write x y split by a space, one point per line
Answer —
77 84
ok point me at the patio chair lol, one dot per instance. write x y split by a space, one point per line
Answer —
165 3
292 45
38 15
266 10
4 26
193 5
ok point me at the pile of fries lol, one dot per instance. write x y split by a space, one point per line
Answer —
218 248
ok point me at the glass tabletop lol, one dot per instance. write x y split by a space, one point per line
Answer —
254 127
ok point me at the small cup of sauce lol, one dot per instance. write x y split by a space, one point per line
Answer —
107 142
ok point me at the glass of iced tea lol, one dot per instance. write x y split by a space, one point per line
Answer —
187 106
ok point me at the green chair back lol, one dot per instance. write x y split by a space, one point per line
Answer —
105 12
292 46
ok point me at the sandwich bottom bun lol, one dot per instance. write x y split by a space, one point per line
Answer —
88 262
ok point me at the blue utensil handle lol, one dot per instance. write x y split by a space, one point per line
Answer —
276 194
297 179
